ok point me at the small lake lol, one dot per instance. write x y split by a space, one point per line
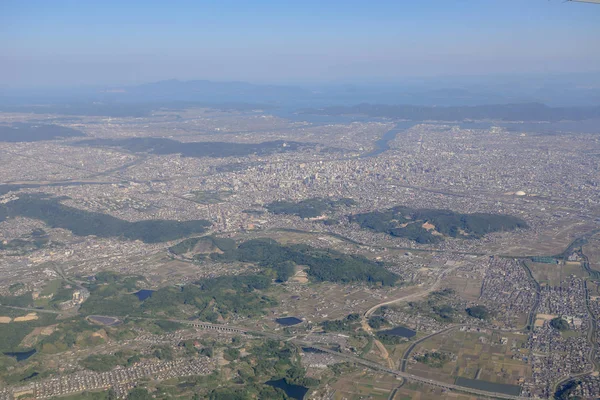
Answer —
294 391
144 294
21 355
513 390
288 321
400 331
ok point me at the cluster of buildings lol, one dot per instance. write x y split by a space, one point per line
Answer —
556 355
507 291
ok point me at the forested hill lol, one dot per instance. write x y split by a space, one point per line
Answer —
323 264
430 225
86 223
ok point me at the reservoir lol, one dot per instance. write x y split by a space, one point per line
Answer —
144 294
400 331
294 391
21 355
288 321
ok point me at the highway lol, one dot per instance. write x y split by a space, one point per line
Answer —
350 358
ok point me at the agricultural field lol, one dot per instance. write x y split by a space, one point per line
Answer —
466 284
491 356
316 302
553 240
415 391
361 385
592 251
553 274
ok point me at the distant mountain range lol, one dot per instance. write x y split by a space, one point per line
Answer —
513 98
506 112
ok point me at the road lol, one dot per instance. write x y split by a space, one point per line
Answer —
344 356
412 296
415 344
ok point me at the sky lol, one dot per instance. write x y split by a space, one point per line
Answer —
108 42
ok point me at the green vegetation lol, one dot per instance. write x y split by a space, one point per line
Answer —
208 299
324 265
559 324
28 374
436 306
377 322
168 326
248 392
408 223
75 332
309 208
86 223
13 333
348 324
479 312
16 287
433 359
23 300
35 241
125 358
388 339
138 394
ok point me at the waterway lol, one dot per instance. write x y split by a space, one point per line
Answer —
383 144
294 391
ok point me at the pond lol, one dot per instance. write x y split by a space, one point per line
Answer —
288 321
144 294
294 391
21 355
400 331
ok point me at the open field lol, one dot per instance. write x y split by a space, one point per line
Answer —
554 239
415 391
466 285
486 355
592 251
363 385
316 302
553 274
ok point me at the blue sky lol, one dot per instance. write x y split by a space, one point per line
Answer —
83 42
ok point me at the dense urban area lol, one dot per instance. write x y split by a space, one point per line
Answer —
205 253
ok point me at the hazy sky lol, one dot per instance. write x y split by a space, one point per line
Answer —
60 42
